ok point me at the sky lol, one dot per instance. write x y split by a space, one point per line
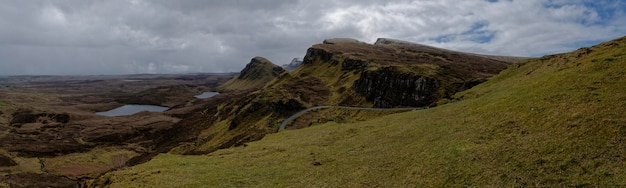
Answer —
82 37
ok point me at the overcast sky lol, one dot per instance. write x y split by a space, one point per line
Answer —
181 36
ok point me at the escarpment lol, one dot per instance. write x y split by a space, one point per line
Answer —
393 73
387 88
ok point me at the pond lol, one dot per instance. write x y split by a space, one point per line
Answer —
131 109
206 95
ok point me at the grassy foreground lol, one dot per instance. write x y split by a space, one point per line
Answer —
554 121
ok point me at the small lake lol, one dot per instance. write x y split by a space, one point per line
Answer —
206 95
131 109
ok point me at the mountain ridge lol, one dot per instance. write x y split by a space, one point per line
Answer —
552 121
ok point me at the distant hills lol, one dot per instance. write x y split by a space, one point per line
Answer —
294 64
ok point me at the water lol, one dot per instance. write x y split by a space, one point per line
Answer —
206 95
131 109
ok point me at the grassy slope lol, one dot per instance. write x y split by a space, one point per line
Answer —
260 74
559 120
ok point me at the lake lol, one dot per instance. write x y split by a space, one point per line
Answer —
206 95
131 109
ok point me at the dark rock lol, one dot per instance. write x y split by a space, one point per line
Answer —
353 64
388 88
6 161
313 53
22 116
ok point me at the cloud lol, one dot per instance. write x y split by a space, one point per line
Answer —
163 36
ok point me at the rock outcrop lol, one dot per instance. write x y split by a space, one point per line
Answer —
256 74
388 87
341 41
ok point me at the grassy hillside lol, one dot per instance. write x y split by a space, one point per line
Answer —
559 120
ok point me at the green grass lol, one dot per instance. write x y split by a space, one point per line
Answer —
2 103
92 163
555 121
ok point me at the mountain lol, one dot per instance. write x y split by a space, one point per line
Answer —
293 65
387 75
342 72
256 74
553 121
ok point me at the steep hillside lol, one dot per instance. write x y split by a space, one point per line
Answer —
554 121
342 72
256 74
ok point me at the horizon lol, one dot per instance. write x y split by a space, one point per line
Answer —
113 74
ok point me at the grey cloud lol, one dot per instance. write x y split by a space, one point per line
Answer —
164 36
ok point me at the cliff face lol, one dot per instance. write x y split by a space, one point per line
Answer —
394 73
387 88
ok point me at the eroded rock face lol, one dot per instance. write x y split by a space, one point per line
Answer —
313 53
389 88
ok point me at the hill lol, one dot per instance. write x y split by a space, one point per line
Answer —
255 75
342 72
553 121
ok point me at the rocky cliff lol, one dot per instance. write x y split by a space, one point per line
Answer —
393 73
388 87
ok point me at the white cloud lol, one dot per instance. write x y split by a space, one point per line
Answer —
524 28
